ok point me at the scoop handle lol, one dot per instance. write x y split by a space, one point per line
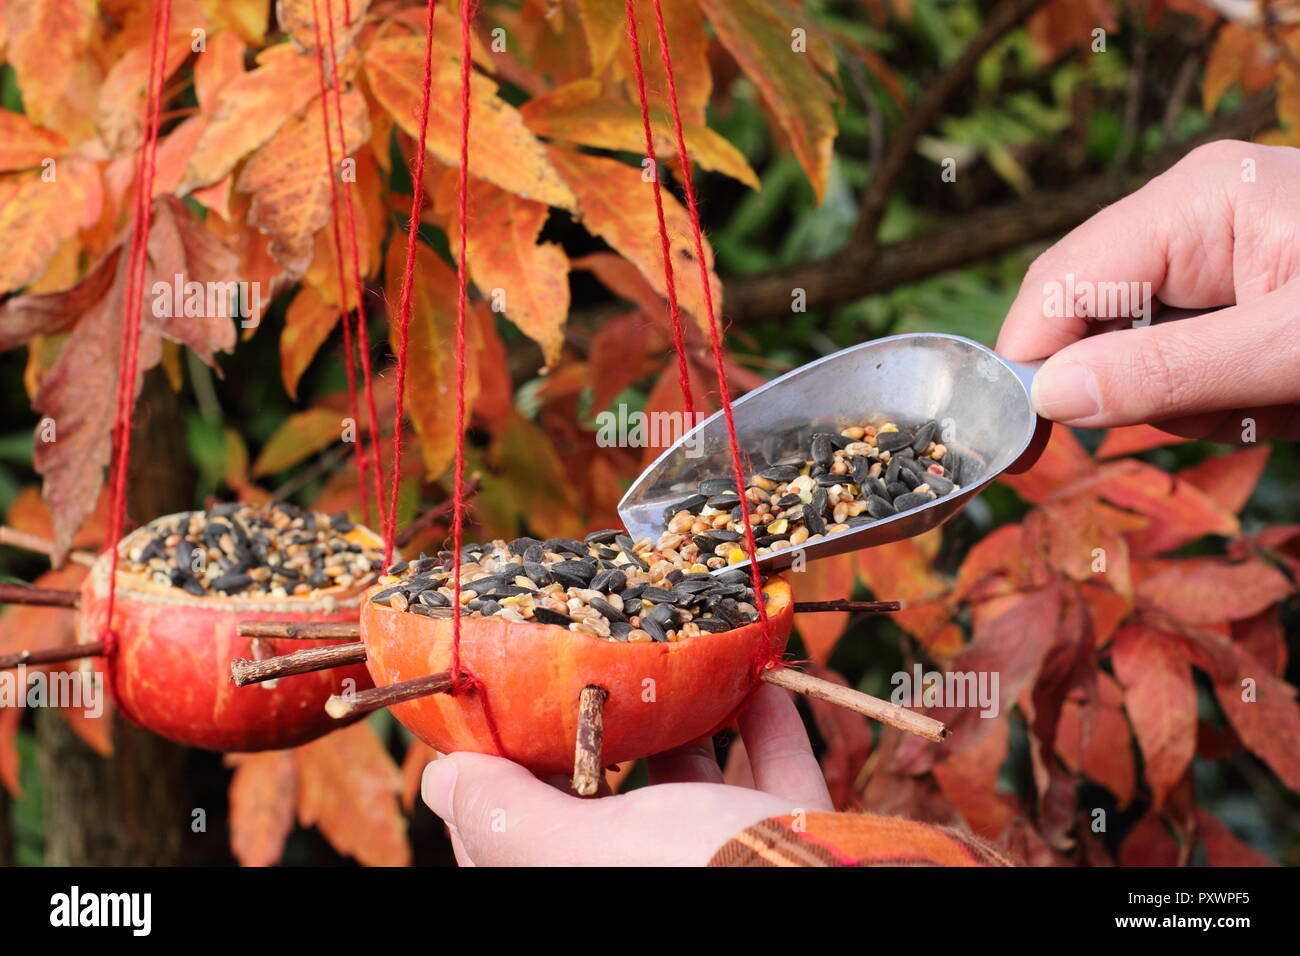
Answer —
1025 371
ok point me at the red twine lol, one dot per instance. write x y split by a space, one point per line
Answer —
408 279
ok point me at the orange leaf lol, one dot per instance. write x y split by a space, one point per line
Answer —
1161 703
1240 56
605 25
828 579
1265 716
901 572
1000 552
263 790
10 717
969 780
1106 610
350 789
250 110
307 324
526 279
507 154
1229 479
618 205
1179 512
37 215
48 39
1211 589
1063 460
290 181
688 41
758 35
216 67
1062 25
1149 843
1134 439
298 19
24 145
618 354
578 114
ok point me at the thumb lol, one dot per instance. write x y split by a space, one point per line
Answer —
496 808
1240 357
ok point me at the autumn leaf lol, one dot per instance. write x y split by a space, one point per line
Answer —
1262 710
791 81
343 19
1063 25
247 18
1063 461
605 25
1093 738
1178 511
618 357
827 579
901 571
578 114
262 795
1149 843
307 324
618 205
1229 479
847 738
300 436
37 214
250 110
1135 439
1161 703
969 780
507 154
688 41
48 41
1240 56
23 144
1223 847
10 717
1198 590
524 458
350 789
506 262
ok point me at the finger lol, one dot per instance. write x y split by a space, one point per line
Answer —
780 754
1172 239
501 813
458 848
738 772
1239 426
1246 356
695 762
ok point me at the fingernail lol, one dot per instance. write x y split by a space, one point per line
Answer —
1066 393
439 786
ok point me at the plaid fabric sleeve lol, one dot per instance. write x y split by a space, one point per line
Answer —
854 839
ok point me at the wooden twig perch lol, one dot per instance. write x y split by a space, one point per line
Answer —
873 707
44 597
244 672
299 630
363 702
865 607
52 655
31 542
587 768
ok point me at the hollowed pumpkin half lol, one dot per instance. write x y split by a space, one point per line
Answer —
171 674
660 695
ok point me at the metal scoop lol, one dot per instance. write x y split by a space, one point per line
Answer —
979 400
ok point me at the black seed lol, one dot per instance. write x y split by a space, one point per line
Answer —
655 630
535 554
383 596
602 537
433 599
341 523
818 503
878 507
634 560
891 470
860 466
939 484
231 583
620 630
893 441
634 592
821 451
657 595
716 486
488 608
713 625
631 607
730 611
909 478
692 504
787 501
607 610
779 473
518 546
910 464
399 567
874 486
732 577
858 521
813 521
829 480
609 581
566 545
574 574
318 579
724 501
896 488
706 543
722 534
663 614
913 500
546 616
537 573
924 435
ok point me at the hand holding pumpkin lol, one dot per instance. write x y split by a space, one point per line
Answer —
500 814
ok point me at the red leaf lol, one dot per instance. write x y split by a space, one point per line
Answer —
826 580
1229 479
9 764
1134 439
969 779
848 742
1093 738
618 357
1222 848
1199 590
1262 638
901 571
1161 702
1149 843
1268 724
1179 512
1063 460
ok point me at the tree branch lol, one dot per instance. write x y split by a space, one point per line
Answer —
927 109
861 270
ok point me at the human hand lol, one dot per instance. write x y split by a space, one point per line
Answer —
1221 228
499 814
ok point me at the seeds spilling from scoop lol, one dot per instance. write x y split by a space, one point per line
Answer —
606 586
861 474
271 551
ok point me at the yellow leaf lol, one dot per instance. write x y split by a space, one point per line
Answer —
605 24
610 124
688 42
289 178
47 41
300 436
263 792
1240 55
791 82
36 216
221 62
502 149
618 205
298 19
248 18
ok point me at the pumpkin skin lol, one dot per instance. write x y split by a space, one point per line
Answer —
534 674
171 674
